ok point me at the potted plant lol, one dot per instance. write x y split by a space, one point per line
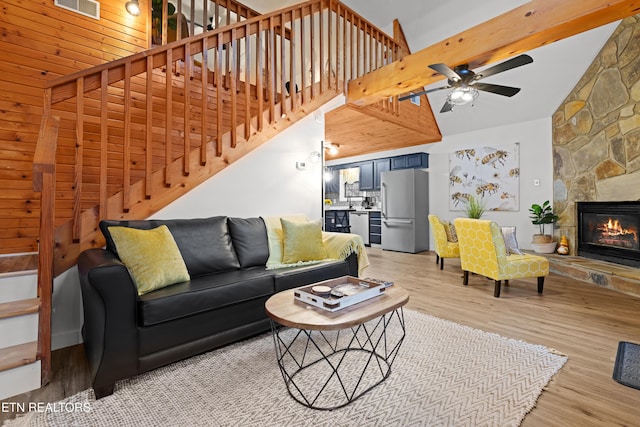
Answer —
542 215
474 208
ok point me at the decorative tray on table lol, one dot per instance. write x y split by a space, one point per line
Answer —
336 294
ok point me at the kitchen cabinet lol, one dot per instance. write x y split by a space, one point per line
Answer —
375 228
370 173
367 176
410 161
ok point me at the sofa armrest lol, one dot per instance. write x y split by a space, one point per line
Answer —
109 299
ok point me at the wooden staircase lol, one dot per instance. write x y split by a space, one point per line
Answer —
124 139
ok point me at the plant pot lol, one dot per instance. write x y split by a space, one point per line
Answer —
544 248
542 238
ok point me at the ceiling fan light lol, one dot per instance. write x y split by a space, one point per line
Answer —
462 95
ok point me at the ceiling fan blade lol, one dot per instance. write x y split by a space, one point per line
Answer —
446 107
518 61
497 89
402 98
445 71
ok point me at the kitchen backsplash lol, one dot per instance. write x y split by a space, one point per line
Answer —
356 199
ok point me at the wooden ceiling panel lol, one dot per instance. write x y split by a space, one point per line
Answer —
358 132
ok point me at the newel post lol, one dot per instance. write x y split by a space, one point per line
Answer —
44 182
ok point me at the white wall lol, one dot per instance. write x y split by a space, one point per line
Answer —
266 181
535 163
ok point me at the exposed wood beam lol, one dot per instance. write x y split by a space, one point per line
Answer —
527 27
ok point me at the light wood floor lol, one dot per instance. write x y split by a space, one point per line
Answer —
581 320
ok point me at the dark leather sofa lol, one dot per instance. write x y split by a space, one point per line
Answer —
223 302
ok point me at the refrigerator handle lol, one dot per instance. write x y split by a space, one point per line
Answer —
383 191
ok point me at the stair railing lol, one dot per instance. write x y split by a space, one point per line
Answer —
122 122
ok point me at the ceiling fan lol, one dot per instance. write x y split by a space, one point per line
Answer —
465 82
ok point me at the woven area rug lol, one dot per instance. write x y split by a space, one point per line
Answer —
445 374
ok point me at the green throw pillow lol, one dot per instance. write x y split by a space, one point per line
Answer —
302 241
152 257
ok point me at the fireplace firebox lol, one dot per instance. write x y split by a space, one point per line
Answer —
608 231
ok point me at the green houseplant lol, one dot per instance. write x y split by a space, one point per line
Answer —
474 208
542 215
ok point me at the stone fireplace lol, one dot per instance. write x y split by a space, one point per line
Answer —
596 159
608 231
596 133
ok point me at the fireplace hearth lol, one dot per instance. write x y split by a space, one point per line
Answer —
608 231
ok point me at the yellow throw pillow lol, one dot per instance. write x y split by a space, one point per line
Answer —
152 257
302 241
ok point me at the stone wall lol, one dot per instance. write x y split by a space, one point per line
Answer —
596 131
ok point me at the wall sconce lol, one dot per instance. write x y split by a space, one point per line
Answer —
315 157
133 7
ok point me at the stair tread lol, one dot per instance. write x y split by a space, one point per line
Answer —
18 355
19 308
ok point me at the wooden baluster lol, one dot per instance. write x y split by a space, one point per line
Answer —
271 69
218 76
233 89
165 20
168 117
179 24
186 129
192 13
205 19
358 48
227 67
332 60
283 70
330 38
312 39
126 147
77 184
345 50
259 83
354 50
321 49
204 77
292 63
247 84
104 141
303 55
371 49
148 167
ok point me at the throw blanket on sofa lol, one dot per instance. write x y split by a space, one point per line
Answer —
338 245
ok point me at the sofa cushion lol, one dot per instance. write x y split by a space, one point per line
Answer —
302 241
205 243
293 277
249 236
151 256
204 293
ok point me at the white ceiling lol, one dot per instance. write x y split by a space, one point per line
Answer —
545 83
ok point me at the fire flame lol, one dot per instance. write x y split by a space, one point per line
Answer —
614 228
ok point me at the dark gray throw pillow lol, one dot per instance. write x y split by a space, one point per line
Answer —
249 236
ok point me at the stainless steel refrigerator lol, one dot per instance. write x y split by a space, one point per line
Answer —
405 207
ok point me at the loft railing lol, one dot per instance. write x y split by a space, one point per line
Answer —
122 122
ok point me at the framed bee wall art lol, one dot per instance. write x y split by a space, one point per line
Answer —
491 174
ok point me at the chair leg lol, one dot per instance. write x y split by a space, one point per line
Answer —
540 284
441 263
506 283
465 278
437 259
496 291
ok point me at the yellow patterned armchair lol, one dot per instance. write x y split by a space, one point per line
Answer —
482 251
444 248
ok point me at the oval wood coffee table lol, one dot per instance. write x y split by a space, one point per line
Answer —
329 359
